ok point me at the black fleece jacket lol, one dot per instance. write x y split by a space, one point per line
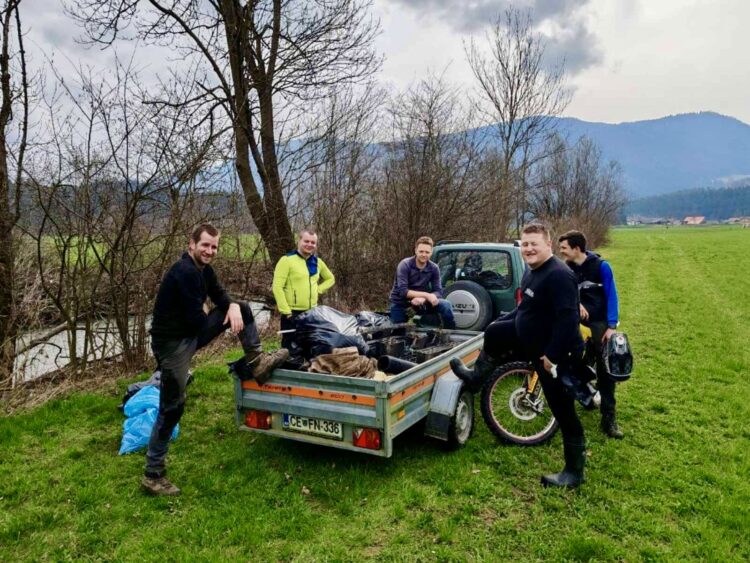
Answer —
547 318
178 311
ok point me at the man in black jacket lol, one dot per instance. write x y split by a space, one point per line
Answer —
179 327
544 329
599 311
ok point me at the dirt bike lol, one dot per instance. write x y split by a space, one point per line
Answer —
512 400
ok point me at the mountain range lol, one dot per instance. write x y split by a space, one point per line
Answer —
672 153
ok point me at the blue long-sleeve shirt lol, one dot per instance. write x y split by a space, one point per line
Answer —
409 276
610 294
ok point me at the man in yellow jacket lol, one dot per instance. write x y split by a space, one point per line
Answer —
298 279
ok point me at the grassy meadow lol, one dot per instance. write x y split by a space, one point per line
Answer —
676 488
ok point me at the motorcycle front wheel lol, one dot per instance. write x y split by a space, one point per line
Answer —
512 411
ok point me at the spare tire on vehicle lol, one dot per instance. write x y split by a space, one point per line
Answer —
472 305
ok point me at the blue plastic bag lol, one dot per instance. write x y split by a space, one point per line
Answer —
146 398
141 410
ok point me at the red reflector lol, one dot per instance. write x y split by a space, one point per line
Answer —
258 419
518 296
366 438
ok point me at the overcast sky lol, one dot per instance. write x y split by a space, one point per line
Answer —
627 59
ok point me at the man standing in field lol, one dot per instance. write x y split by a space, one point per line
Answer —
179 327
599 311
544 329
298 279
418 285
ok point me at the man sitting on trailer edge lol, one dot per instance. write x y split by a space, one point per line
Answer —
418 285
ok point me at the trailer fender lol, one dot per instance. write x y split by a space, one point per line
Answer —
443 404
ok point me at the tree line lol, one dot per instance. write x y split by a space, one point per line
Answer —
715 204
274 120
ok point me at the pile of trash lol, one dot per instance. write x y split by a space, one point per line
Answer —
365 344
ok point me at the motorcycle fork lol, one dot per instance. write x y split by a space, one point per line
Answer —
531 382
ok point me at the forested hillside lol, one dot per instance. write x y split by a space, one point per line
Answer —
713 203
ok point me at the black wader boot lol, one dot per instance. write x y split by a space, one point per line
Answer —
575 459
610 427
473 378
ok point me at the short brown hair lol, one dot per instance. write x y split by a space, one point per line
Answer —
309 230
576 239
424 240
203 228
536 228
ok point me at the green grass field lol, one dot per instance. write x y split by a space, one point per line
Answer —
675 488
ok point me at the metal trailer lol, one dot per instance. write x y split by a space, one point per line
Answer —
364 415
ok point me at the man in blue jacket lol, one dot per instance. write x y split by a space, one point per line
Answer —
599 311
180 327
418 285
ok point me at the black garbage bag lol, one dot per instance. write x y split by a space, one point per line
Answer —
321 329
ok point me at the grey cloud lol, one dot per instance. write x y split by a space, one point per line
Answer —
577 46
572 40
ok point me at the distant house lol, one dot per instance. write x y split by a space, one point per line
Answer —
640 220
697 220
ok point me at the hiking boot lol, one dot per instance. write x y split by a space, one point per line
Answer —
263 364
572 475
610 428
159 486
473 378
257 365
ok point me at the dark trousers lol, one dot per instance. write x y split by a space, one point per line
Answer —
173 358
443 308
604 383
500 340
287 323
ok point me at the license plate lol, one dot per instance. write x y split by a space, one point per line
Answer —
315 426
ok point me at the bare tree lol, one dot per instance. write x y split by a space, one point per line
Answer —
13 108
265 60
431 171
522 95
112 190
574 189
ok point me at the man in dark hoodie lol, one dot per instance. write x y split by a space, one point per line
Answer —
544 329
179 327
599 311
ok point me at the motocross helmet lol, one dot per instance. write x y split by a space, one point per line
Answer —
618 357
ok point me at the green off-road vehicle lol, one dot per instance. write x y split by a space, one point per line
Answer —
481 280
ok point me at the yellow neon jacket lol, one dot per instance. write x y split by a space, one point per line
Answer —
294 288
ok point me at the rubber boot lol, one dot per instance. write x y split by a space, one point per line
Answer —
610 427
473 378
575 459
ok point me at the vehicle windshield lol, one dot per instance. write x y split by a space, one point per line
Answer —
489 268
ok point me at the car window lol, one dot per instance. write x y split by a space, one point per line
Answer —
489 268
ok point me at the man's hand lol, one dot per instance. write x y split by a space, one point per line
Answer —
432 298
547 364
418 301
234 318
607 334
584 313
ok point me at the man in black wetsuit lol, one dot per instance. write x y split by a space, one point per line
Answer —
543 329
180 327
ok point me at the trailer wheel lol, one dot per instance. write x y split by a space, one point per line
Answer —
462 422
